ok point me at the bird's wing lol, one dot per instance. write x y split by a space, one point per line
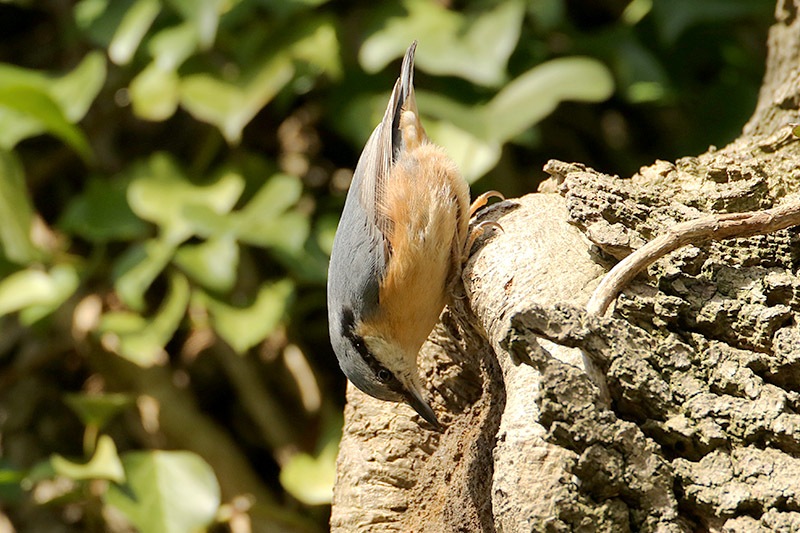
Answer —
375 165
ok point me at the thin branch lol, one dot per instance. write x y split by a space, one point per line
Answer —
699 231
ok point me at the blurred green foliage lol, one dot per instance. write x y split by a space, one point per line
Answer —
171 176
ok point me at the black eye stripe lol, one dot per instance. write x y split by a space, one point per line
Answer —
348 332
381 373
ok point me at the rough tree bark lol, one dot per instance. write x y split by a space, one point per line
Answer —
701 355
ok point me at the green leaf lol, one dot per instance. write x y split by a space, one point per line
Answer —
166 492
99 20
38 291
145 346
76 90
122 322
16 211
536 93
52 102
154 93
319 46
230 107
172 46
87 12
212 263
138 267
104 464
279 192
473 156
97 409
100 213
476 49
284 8
639 71
264 221
309 263
160 193
132 29
243 328
10 482
325 232
288 231
310 479
203 15
39 106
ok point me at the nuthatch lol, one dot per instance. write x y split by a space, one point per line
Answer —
398 251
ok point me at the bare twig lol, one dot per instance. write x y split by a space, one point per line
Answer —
701 230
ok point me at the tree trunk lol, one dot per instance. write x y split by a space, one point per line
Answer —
697 429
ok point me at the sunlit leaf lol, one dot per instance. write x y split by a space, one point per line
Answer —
319 46
99 19
145 347
203 15
76 90
264 221
636 11
122 322
172 46
243 328
154 93
310 479
37 105
104 464
160 193
166 492
40 291
86 12
535 94
466 117
230 107
131 30
49 103
16 211
278 193
476 49
101 213
288 231
473 156
97 409
212 263
138 267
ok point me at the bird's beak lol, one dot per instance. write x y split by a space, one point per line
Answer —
414 399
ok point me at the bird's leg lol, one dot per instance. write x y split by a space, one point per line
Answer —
482 200
476 232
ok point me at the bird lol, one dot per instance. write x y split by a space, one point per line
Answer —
398 251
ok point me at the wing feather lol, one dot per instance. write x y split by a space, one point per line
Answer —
381 151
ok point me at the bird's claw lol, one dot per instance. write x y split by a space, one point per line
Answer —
479 230
482 200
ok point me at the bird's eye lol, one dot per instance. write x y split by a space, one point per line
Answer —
384 375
